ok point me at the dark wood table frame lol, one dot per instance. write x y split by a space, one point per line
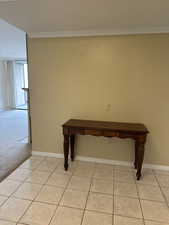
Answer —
137 132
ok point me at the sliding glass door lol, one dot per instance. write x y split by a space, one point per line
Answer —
21 84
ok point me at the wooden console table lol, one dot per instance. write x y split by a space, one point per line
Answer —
137 132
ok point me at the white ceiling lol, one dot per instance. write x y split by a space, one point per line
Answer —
45 17
12 42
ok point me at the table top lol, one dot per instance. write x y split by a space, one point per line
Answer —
106 125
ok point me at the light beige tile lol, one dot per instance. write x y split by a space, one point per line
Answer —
147 171
148 178
38 214
150 192
50 194
89 165
124 176
79 183
95 218
30 164
128 207
7 187
20 174
124 168
85 164
13 209
164 172
28 191
154 223
37 157
74 198
84 170
165 191
102 166
163 180
61 170
59 180
100 202
3 222
2 199
55 160
119 220
125 189
102 186
103 173
156 211
67 216
38 177
47 166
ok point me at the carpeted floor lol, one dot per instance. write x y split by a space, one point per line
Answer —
14 147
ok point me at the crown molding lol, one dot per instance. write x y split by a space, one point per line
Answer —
88 33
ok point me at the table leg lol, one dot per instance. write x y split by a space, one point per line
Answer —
66 150
136 155
140 155
72 146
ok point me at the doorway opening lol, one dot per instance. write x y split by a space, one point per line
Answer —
15 126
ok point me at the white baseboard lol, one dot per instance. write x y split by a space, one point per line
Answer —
48 154
99 160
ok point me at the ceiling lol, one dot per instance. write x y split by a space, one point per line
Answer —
12 42
66 17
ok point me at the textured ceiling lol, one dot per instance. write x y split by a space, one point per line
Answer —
12 42
34 16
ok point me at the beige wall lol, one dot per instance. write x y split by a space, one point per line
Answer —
118 78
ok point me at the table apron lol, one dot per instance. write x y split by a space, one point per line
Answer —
120 134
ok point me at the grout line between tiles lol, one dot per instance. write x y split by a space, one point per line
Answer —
88 194
91 179
130 217
139 201
148 199
161 190
113 221
141 219
11 194
15 198
60 200
36 196
161 223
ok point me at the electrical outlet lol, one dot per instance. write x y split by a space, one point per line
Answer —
108 108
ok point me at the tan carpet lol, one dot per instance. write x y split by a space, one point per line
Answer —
14 148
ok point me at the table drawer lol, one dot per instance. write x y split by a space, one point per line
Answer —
76 131
111 133
94 132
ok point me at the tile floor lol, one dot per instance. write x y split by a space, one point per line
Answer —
40 192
